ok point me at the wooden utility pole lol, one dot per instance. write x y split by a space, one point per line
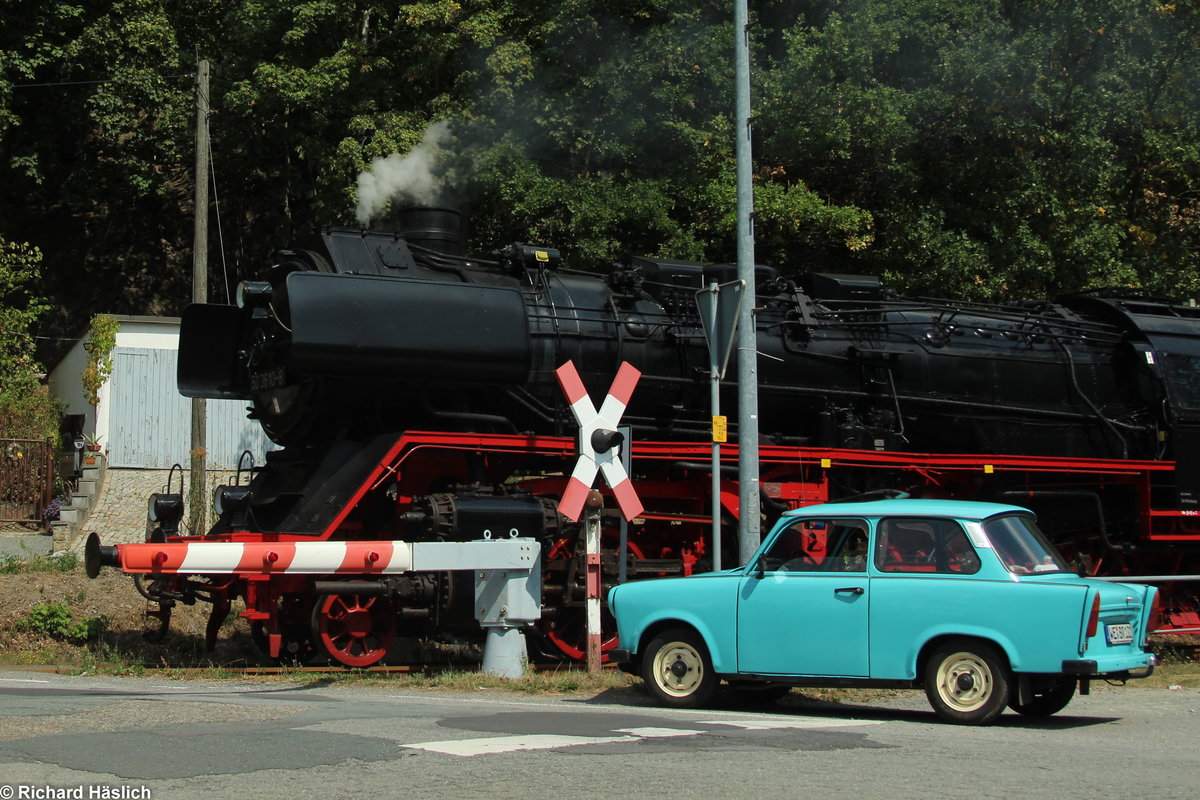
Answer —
198 492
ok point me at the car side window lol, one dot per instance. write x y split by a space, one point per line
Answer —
819 545
924 545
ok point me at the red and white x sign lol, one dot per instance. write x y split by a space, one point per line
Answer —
599 442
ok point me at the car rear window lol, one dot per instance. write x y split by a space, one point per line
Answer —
1022 546
924 545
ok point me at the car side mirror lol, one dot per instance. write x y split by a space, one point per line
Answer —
760 567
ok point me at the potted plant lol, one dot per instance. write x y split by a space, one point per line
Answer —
91 446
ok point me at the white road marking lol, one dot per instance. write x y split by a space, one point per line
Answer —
471 701
658 733
791 722
509 744
24 680
538 741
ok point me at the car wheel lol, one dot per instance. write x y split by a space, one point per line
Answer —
967 682
677 669
1049 697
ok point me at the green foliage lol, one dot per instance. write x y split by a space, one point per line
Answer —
95 147
56 620
958 147
20 308
30 414
101 341
1003 149
15 565
27 410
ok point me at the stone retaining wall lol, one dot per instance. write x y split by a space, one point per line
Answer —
119 514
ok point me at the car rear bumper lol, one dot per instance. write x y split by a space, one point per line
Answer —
1090 667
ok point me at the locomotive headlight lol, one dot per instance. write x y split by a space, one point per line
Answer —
518 257
254 294
231 499
163 512
166 509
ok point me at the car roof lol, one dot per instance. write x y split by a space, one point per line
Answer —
910 506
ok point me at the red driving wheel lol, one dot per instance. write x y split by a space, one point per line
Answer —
355 629
568 631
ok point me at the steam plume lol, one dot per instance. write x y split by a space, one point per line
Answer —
410 177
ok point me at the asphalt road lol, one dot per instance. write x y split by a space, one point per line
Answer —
108 738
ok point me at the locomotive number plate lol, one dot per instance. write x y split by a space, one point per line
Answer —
1118 634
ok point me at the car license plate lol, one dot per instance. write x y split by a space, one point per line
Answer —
1119 634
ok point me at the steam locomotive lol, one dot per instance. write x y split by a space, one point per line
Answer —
413 390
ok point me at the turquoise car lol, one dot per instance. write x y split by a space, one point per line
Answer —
966 600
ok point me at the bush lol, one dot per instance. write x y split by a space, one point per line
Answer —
56 620
30 414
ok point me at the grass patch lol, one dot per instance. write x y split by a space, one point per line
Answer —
1184 676
17 565
544 682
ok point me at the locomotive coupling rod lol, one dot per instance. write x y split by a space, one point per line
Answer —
372 588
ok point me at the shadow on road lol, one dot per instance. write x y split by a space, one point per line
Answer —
796 703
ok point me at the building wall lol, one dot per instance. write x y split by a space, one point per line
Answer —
150 423
143 420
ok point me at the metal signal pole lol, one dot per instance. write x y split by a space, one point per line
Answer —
747 335
197 493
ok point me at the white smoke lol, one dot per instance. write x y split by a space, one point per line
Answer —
410 177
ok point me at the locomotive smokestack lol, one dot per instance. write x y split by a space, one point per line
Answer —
437 229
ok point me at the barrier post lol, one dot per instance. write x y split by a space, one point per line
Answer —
507 601
591 523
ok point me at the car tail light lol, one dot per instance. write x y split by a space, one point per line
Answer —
1154 621
1094 619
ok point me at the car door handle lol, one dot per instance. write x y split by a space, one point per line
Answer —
850 589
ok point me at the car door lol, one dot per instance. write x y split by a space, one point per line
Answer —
806 611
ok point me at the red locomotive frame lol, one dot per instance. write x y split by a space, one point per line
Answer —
355 624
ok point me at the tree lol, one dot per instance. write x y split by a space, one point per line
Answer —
20 308
1004 149
979 148
95 142
26 409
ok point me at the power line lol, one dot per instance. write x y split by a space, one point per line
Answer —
86 83
212 167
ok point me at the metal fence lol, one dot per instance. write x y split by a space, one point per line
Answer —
26 479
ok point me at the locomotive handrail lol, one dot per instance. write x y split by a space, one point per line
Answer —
1057 328
565 446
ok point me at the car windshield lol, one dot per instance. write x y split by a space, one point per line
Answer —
1022 546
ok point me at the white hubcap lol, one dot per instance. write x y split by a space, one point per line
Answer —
678 668
964 681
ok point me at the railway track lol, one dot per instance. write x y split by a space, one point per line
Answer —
416 669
